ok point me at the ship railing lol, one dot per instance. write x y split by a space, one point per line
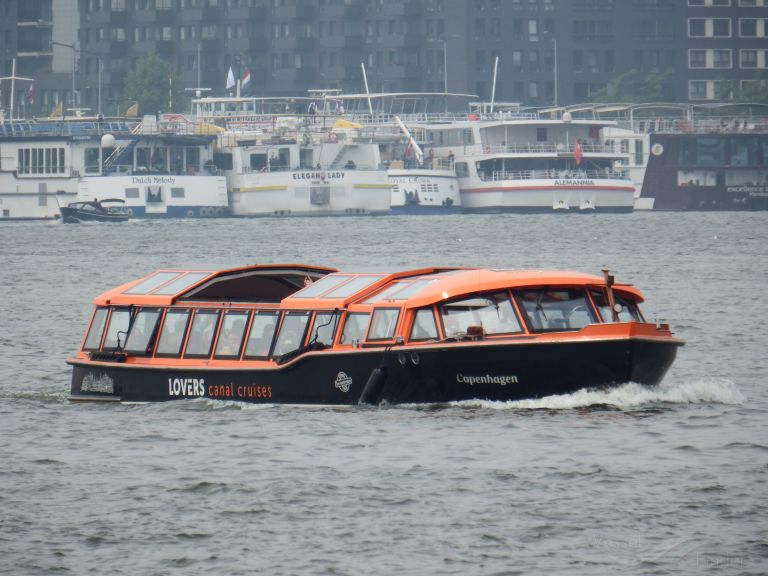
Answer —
587 147
131 170
553 175
34 129
709 125
326 167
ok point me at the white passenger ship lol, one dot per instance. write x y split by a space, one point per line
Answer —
157 172
282 160
510 160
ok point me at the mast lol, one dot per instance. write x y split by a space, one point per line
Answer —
13 79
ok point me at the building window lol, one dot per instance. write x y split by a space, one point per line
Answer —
721 27
722 59
697 90
696 27
748 59
697 58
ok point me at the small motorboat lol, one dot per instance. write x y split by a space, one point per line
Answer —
108 210
299 334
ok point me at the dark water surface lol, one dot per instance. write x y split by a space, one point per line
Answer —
669 480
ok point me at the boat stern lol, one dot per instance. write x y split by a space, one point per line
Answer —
93 384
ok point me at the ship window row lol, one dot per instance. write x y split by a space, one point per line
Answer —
724 151
230 334
262 334
40 161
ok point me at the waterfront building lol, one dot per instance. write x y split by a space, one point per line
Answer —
550 51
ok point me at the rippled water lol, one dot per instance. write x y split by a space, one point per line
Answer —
640 480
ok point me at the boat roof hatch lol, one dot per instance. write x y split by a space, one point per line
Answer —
261 284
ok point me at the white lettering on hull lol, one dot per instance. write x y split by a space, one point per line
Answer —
186 387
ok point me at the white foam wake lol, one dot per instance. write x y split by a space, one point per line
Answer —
629 396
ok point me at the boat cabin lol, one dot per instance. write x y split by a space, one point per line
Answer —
274 313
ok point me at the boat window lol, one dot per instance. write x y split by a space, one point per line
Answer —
556 310
172 334
627 310
462 169
493 312
424 325
323 285
260 337
324 327
180 284
117 330
146 286
353 286
354 328
383 323
93 339
291 334
201 333
142 331
231 334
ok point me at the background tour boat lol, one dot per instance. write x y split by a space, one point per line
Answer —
312 335
107 210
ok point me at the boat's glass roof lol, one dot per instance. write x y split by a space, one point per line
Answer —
157 279
338 286
353 286
323 285
400 290
180 284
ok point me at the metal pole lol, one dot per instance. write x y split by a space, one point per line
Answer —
445 67
13 85
554 51
100 65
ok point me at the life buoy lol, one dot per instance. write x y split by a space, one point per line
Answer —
190 213
219 212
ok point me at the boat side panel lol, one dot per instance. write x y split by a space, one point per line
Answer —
429 374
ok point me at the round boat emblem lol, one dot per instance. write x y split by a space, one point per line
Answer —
343 382
657 149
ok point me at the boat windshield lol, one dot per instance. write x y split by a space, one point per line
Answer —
555 310
117 329
626 309
142 330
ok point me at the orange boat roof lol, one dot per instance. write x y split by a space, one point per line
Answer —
298 286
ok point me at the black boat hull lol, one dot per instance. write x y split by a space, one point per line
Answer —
71 216
432 374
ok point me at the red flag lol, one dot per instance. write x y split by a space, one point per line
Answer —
577 152
31 93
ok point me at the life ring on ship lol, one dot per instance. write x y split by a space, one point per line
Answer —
129 211
190 213
487 148
218 212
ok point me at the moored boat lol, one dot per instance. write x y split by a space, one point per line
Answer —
313 335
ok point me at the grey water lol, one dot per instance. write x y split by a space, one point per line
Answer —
666 480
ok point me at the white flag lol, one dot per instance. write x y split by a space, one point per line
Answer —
230 79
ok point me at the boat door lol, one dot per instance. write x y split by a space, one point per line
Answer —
155 197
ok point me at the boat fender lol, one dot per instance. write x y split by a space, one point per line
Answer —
372 390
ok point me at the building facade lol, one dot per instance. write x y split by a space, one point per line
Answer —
549 51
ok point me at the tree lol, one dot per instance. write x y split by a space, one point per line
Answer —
633 86
149 85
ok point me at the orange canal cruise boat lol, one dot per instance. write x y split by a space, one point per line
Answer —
313 335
